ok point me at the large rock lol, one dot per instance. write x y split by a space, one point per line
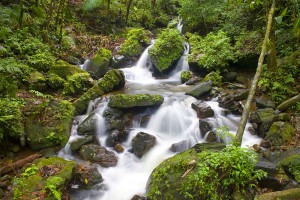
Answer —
263 102
204 126
98 154
126 101
117 137
262 116
291 165
142 143
232 101
88 125
288 103
185 76
112 80
180 146
202 109
166 50
49 125
200 89
292 194
77 143
48 178
99 64
117 119
280 133
87 176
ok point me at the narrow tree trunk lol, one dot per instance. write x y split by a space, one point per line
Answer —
245 115
21 13
127 10
272 58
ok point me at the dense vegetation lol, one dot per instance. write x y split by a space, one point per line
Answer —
42 41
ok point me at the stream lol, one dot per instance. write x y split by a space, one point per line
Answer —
174 121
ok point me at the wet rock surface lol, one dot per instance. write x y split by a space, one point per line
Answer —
203 109
142 143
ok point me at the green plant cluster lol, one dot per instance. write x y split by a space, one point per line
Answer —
185 76
167 49
77 84
205 175
212 52
136 38
215 77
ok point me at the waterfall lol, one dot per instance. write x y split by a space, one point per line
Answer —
85 65
179 25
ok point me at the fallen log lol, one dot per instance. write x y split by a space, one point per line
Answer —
18 164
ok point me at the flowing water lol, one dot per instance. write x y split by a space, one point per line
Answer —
173 122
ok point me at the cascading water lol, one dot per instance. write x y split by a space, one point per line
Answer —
174 122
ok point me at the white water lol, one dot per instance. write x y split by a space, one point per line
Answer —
85 65
173 122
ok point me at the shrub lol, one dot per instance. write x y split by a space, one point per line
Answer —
167 49
212 52
11 125
215 77
55 82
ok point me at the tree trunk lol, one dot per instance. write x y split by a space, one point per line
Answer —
245 115
127 10
271 57
21 13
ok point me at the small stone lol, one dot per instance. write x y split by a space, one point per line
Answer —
119 148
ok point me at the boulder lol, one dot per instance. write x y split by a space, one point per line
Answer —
200 89
88 125
87 176
126 101
99 64
263 102
288 103
138 197
229 76
193 81
202 109
291 194
64 69
211 136
54 129
117 137
142 143
47 178
291 165
98 154
262 116
112 80
204 126
118 61
37 81
180 146
280 133
77 143
232 101
166 50
117 119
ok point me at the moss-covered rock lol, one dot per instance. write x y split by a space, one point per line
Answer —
166 50
99 64
185 76
49 124
64 69
136 40
125 101
46 178
55 81
37 81
280 133
200 89
290 194
214 77
77 84
291 165
112 80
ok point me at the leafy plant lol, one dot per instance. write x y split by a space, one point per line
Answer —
212 52
52 184
77 84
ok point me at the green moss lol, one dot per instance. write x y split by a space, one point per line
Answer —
113 79
46 178
64 69
37 81
291 164
214 77
133 101
135 39
49 124
280 133
185 76
99 64
55 81
77 84
167 49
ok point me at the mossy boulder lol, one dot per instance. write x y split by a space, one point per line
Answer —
37 81
126 101
79 142
214 77
77 83
200 89
280 133
64 69
291 165
49 124
55 81
99 64
112 80
185 76
291 194
136 40
47 178
88 125
166 50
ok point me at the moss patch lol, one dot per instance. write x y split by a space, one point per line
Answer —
46 179
167 49
64 69
137 100
185 76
